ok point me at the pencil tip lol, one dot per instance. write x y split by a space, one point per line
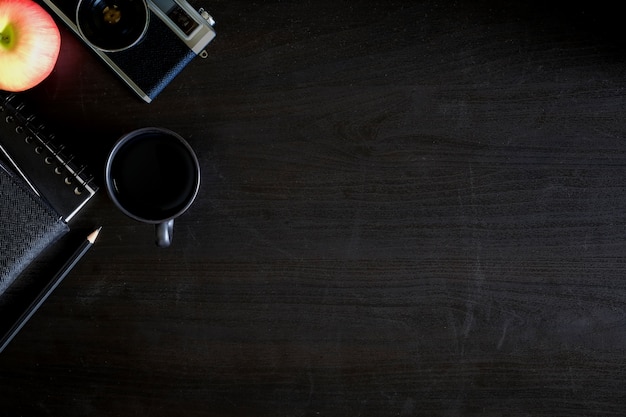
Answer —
93 235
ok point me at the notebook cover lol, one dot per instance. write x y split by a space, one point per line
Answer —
28 225
35 152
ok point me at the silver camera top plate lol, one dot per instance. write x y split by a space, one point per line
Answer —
194 29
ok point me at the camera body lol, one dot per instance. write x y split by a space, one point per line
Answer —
174 34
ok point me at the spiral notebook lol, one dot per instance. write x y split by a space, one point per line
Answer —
42 187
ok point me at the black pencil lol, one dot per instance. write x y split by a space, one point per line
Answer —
50 286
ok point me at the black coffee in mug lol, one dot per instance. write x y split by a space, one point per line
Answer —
153 176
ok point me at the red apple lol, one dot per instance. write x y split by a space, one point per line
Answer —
29 44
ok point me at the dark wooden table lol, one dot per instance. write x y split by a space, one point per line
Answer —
407 208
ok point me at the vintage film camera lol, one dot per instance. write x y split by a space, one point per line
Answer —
146 42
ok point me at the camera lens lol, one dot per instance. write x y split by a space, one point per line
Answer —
112 25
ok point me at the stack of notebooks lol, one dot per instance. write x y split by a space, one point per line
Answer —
42 187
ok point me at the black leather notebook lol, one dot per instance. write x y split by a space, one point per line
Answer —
28 226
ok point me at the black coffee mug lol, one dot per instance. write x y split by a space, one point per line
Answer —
153 176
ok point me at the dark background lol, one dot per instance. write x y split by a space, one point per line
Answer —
406 209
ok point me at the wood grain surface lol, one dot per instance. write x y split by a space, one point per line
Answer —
406 209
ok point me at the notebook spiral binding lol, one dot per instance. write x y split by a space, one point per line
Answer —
35 153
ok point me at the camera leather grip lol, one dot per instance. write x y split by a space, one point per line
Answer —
156 60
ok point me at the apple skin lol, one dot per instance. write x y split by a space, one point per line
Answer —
29 44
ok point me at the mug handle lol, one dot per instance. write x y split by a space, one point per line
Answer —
164 233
